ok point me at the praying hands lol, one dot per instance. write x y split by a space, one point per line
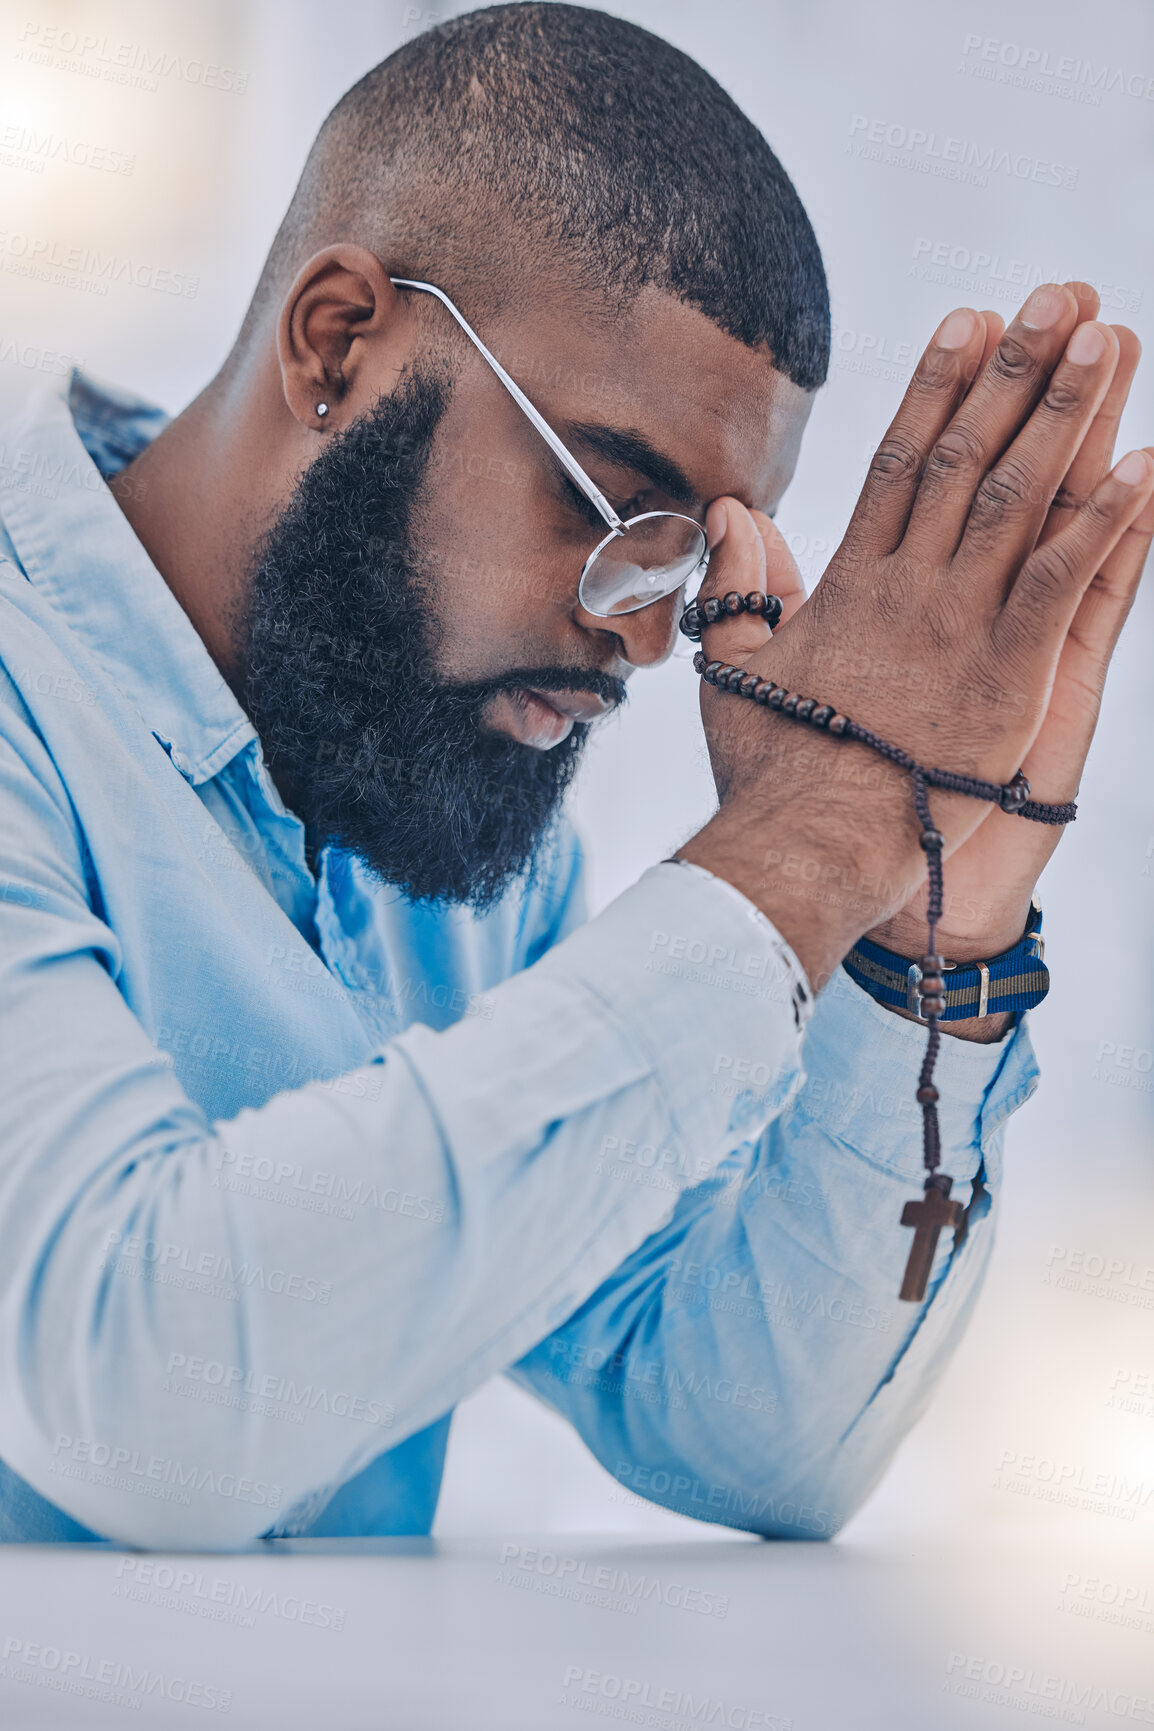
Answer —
992 560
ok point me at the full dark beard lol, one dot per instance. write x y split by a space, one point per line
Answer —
371 749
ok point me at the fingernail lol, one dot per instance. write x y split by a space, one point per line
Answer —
1133 468
1043 309
1087 345
955 330
716 523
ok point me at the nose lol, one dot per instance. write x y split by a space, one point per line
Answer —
647 636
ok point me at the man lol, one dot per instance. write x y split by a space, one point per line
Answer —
321 1105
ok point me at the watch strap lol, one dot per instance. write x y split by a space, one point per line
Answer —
1018 979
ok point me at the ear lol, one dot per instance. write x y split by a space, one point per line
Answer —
343 337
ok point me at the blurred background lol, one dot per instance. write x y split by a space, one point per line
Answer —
947 154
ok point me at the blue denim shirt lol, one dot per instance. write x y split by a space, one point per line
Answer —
289 1165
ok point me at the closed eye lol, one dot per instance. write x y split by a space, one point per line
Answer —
588 511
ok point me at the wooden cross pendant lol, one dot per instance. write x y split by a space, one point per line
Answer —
927 1219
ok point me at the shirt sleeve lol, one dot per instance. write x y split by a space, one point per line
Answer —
513 1140
751 1363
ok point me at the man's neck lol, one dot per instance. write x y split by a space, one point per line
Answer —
198 504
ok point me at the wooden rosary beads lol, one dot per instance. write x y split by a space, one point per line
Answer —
929 1214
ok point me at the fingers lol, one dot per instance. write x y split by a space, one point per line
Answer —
1014 497
1103 608
1003 398
1040 608
738 561
1054 761
782 577
959 354
1096 452
995 326
939 384
1086 296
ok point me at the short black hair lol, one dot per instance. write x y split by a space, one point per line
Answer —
603 145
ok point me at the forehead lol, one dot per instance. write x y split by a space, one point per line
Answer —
720 411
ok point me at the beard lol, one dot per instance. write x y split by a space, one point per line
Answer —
372 750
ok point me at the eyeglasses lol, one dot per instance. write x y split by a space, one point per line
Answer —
642 559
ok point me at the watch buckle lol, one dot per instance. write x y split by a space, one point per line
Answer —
913 982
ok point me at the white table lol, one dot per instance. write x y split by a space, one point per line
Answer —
527 1635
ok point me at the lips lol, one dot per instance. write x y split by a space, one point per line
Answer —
577 705
542 719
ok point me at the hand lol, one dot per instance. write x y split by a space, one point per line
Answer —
993 874
939 577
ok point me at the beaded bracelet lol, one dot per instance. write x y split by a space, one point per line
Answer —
935 1210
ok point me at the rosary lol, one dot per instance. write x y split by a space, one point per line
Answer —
935 1210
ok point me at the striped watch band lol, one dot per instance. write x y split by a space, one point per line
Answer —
1016 980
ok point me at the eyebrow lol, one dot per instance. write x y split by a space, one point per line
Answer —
630 449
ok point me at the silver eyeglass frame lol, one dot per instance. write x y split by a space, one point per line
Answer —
617 525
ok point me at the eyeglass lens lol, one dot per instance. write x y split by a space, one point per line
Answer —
656 555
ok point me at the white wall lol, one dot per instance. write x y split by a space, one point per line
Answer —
210 172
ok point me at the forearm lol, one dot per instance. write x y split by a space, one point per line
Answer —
752 1364
398 1234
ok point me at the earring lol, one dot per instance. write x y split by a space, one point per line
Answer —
322 409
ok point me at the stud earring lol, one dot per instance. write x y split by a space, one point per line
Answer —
322 409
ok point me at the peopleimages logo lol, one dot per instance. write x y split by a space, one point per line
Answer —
36 359
25 147
192 1591
1133 1391
1123 1603
729 1290
1120 1279
594 1366
278 1180
1074 1484
211 1374
1032 1690
957 265
75 266
897 145
607 1586
208 1271
584 1688
137 64
113 1681
741 1508
1065 69
128 1469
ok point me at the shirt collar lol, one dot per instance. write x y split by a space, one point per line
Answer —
76 546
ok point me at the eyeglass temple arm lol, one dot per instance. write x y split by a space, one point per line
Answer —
565 458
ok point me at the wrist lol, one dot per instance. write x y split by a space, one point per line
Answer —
958 939
982 1030
978 995
822 884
